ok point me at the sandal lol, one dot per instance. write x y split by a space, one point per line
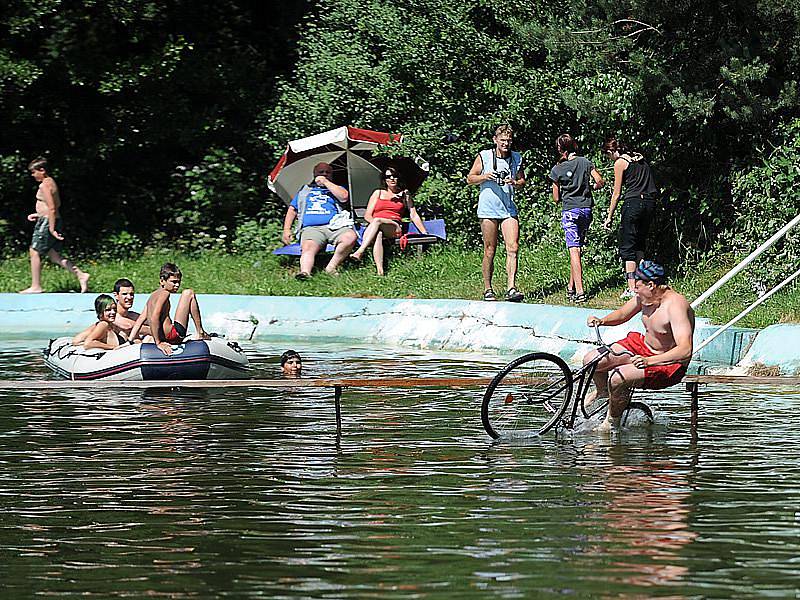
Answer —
302 276
489 295
514 295
571 295
579 298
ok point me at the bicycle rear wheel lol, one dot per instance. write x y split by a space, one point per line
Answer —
635 406
528 396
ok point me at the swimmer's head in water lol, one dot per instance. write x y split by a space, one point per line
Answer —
291 363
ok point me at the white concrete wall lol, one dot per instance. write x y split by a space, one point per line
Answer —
436 324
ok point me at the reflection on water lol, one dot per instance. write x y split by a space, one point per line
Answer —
204 493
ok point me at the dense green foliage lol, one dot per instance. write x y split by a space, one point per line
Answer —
145 109
162 119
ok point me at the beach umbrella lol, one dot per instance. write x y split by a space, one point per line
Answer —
355 165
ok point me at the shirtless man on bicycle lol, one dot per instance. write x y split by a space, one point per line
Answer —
659 357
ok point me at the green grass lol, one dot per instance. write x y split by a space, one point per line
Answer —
441 272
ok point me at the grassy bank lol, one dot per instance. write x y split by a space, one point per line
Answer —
443 272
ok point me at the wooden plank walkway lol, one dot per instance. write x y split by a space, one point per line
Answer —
399 382
391 382
692 382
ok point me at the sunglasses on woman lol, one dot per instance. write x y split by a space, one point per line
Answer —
389 176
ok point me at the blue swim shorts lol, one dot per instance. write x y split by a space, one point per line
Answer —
575 222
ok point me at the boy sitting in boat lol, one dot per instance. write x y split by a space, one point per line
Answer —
105 334
166 331
124 294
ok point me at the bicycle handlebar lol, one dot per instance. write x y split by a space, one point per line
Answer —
602 344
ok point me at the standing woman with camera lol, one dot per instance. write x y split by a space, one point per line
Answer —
499 173
633 172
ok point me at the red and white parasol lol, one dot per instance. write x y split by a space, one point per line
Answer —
351 153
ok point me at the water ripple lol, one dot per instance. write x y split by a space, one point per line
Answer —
251 493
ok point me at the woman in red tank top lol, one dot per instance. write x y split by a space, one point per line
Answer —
385 212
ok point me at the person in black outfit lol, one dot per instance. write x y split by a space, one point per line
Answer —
632 172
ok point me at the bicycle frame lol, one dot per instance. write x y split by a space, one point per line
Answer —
582 379
559 398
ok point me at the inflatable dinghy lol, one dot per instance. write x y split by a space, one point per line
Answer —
195 359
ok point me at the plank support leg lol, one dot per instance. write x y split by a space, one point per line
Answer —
337 402
693 388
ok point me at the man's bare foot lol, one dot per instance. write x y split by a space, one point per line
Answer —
356 257
608 425
31 290
83 278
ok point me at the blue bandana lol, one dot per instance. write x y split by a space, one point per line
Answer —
650 271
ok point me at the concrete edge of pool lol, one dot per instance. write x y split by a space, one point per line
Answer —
456 325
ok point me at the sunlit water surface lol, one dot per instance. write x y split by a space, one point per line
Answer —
250 493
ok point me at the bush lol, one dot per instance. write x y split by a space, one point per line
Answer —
257 236
766 197
120 245
210 199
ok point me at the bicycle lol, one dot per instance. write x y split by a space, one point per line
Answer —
532 394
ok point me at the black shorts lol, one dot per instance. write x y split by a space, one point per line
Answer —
636 216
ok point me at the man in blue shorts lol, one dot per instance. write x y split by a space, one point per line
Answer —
574 178
320 221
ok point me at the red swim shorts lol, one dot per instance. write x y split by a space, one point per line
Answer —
173 337
660 376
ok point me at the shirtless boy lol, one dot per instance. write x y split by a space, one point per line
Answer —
166 331
124 294
660 356
47 238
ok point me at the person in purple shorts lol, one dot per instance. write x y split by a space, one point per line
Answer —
572 186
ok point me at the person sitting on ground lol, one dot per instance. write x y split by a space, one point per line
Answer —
105 334
47 235
166 331
124 295
291 364
572 186
385 212
633 172
320 221
659 358
499 173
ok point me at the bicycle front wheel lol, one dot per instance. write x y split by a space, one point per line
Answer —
527 397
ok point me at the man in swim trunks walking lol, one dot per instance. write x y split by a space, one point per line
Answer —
659 357
47 237
164 330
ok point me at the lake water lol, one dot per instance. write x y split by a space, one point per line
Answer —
250 493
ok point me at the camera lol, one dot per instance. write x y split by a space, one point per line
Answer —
500 176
